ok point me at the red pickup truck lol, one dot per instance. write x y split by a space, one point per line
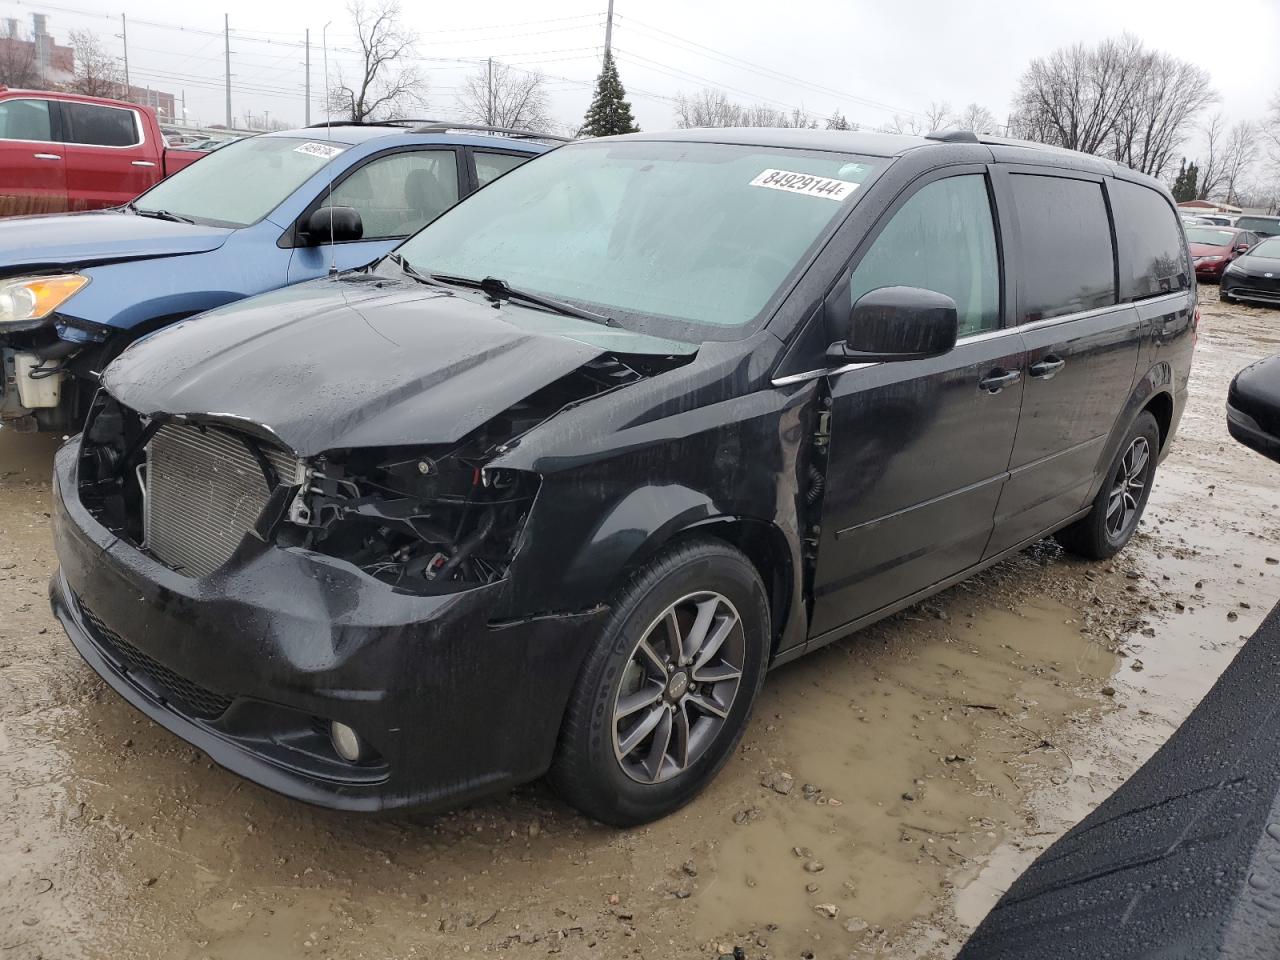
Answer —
62 151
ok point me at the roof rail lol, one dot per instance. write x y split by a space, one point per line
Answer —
953 136
442 126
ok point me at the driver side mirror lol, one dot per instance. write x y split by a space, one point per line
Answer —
898 323
341 223
1242 248
1253 407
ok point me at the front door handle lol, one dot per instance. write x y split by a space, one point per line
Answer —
143 163
998 379
46 156
1046 368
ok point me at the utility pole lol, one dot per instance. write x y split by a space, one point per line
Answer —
490 114
307 110
226 35
608 32
124 35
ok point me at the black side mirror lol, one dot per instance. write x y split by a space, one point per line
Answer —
1253 407
898 323
340 223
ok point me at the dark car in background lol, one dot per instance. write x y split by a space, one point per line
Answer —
1254 276
553 485
1214 247
1262 226
257 214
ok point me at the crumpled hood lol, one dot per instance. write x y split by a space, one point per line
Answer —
332 364
100 236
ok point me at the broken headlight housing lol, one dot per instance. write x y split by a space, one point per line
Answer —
423 521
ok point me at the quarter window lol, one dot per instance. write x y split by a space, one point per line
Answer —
1153 258
942 239
1066 260
100 126
400 193
25 120
490 166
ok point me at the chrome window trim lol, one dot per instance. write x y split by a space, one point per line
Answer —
139 128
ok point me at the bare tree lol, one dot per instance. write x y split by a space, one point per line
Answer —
387 84
97 72
978 119
1241 155
937 116
713 108
502 96
18 63
1114 99
900 124
1168 94
1211 166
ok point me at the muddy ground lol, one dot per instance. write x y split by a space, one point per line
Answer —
932 757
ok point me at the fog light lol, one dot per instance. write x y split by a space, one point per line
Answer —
347 742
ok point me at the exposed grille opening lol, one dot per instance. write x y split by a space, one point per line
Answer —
205 489
181 694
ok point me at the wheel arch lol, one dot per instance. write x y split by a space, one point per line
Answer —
1152 393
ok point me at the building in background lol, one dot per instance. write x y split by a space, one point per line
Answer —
52 66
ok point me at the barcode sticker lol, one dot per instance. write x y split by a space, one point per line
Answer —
827 188
322 150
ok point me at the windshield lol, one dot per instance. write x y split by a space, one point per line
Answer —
1267 248
1266 225
686 240
241 183
1215 238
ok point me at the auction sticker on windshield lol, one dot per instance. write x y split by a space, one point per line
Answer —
806 183
322 150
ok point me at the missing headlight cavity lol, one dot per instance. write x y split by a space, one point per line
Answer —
436 519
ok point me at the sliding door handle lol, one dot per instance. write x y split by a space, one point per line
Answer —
1046 368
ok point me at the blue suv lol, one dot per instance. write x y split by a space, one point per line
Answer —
262 213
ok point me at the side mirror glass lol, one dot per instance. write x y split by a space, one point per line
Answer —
1253 407
898 323
339 223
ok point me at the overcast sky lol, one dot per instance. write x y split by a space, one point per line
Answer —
866 59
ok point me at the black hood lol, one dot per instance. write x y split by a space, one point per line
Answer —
333 364
1257 266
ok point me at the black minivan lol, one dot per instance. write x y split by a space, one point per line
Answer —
552 486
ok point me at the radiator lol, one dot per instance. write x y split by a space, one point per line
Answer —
204 491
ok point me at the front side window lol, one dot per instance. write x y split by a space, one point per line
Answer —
942 239
685 240
1065 255
243 182
490 166
25 120
89 123
1153 258
400 193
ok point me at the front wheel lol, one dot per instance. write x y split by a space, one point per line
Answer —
1118 507
664 697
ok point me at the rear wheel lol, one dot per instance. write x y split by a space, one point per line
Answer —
665 696
1118 507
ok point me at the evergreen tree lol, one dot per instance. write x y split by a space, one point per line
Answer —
610 112
1184 184
837 122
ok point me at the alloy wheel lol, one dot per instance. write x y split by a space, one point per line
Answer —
1127 486
678 687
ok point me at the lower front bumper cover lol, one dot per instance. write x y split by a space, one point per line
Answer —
247 664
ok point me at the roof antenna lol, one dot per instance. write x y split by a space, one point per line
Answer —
328 133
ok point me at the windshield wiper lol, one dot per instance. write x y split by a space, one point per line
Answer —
159 214
407 269
497 289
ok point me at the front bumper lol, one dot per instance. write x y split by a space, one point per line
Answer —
1210 271
248 663
1255 289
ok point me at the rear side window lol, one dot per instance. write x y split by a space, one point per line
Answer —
942 239
1066 261
99 126
25 120
490 166
1262 226
1153 259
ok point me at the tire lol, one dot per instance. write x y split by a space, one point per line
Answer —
1101 533
600 767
